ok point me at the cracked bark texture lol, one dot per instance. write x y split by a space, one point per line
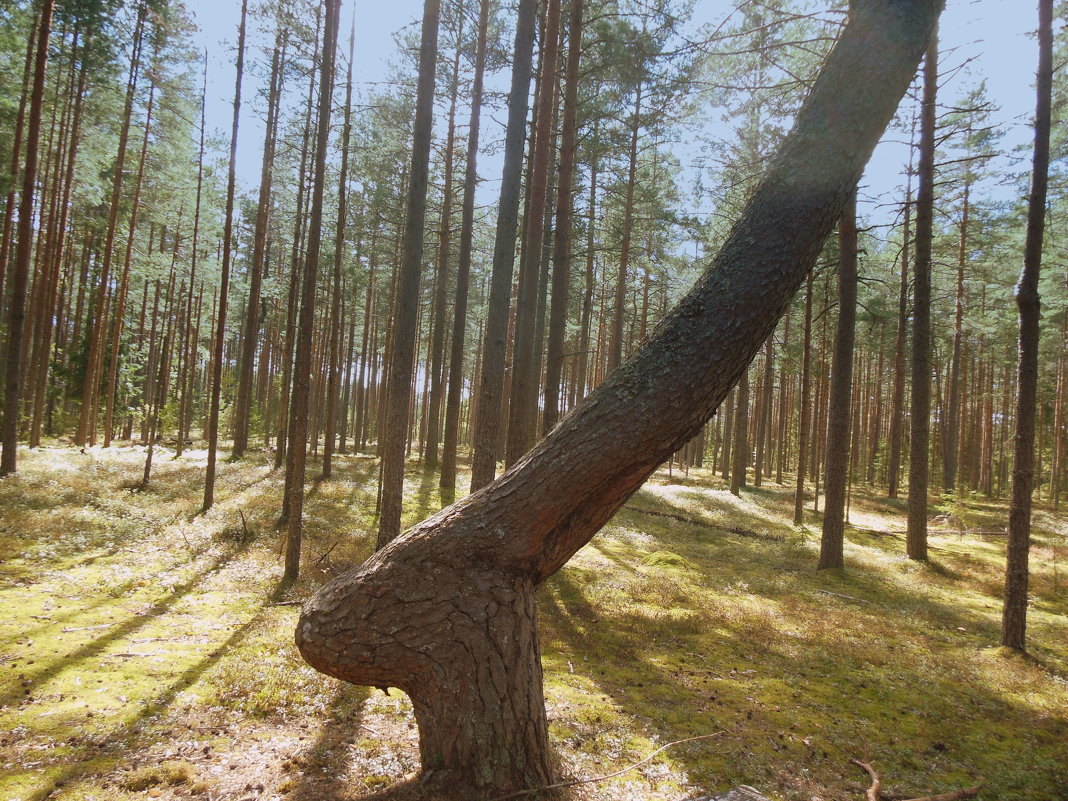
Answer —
446 611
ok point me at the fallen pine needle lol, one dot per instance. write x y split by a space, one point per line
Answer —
596 779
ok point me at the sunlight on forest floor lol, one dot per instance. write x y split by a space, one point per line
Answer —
145 652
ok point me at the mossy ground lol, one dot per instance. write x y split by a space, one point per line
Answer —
146 651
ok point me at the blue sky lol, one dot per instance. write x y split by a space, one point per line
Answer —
992 36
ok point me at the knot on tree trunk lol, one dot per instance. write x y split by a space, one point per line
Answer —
459 638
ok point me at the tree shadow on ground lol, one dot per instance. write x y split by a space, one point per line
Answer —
102 752
123 629
691 668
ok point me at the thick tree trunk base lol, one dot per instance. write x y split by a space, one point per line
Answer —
463 645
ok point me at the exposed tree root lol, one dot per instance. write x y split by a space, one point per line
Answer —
874 793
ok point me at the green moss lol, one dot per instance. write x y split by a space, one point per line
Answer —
665 559
134 630
168 773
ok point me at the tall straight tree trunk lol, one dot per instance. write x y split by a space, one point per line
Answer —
436 356
463 268
1014 614
368 348
224 283
782 426
447 612
582 370
95 356
250 333
185 410
23 253
487 423
740 446
728 435
804 414
524 397
16 155
897 402
124 282
764 409
293 298
920 412
402 362
54 322
334 333
302 363
554 358
875 425
615 343
952 427
838 423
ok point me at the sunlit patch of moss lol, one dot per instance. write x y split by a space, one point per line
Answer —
169 773
803 670
139 630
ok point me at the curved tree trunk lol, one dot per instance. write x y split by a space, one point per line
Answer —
446 612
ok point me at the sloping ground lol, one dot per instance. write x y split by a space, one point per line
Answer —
147 653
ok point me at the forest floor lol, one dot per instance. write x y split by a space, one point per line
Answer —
146 652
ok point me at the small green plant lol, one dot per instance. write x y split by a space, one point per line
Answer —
956 512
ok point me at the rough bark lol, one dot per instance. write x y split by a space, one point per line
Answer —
446 611
1014 614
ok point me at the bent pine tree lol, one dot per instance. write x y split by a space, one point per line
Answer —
446 612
